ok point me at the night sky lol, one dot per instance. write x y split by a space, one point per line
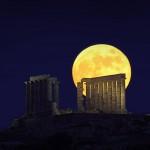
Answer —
45 38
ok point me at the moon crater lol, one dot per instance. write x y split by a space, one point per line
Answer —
100 60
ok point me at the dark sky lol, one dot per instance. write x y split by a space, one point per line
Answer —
45 37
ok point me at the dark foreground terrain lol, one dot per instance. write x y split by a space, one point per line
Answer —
78 132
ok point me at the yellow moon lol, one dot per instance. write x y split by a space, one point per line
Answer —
100 60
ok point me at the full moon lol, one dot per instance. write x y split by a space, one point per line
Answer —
100 60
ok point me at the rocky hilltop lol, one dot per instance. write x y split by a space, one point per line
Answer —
78 131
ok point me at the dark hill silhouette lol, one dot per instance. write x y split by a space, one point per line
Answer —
79 132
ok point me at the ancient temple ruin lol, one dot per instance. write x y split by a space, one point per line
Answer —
103 94
42 95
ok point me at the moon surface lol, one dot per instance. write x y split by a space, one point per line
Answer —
100 60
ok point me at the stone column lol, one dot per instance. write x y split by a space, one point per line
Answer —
114 96
56 98
118 96
96 92
49 94
31 97
109 96
80 97
45 92
101 96
42 96
105 96
36 101
123 105
88 98
38 95
56 89
34 95
92 96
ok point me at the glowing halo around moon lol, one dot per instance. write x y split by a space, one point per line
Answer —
100 60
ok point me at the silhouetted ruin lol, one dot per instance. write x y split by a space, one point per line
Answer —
42 98
43 126
103 94
42 95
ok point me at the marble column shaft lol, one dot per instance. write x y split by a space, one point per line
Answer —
101 96
114 102
49 94
118 96
109 96
56 90
123 105
92 97
88 98
31 97
80 97
96 97
105 108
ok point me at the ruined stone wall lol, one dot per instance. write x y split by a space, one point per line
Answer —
106 94
42 94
